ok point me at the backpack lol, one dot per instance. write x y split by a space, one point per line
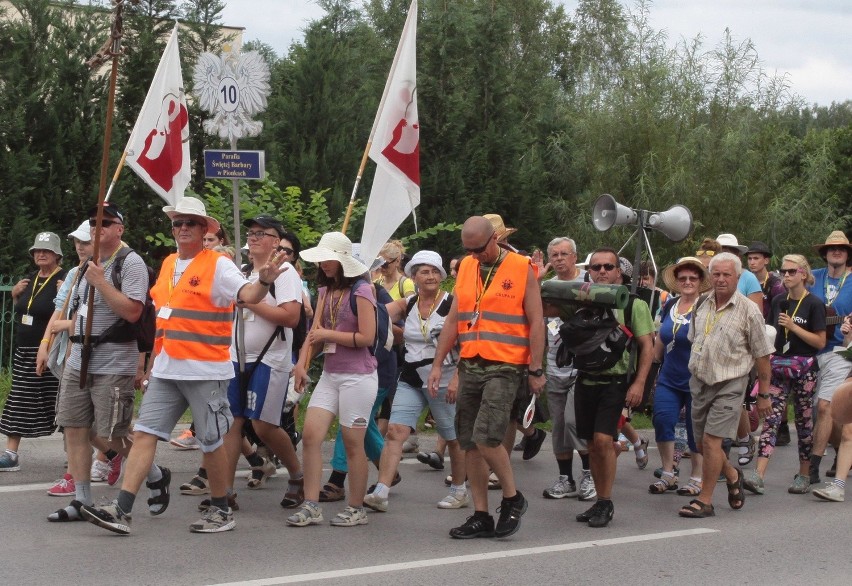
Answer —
593 338
384 333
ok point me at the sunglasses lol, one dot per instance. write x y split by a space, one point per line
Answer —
597 268
105 223
187 223
260 234
705 253
688 279
480 249
287 251
790 272
389 262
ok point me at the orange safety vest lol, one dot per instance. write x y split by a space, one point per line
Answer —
501 331
196 329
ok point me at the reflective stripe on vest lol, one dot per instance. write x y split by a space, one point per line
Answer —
196 329
501 332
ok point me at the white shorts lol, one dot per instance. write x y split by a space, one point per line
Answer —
349 396
833 370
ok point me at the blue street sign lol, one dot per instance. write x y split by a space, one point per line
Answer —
233 164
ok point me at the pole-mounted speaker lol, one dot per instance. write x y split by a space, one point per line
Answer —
608 213
675 223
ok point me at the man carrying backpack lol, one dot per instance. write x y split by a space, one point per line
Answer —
601 396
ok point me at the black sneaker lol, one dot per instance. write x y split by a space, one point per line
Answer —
510 516
783 438
475 526
603 514
519 447
588 513
534 443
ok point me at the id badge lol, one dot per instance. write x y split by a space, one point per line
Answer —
84 310
696 348
164 313
473 320
553 326
786 348
669 346
248 314
329 348
26 320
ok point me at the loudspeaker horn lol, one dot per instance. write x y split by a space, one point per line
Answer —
608 213
675 223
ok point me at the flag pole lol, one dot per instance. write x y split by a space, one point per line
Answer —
115 175
110 50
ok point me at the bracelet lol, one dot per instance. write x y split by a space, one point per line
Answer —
354 343
45 339
764 395
264 283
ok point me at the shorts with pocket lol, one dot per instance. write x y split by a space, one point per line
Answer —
104 404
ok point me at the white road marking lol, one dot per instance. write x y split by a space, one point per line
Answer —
480 557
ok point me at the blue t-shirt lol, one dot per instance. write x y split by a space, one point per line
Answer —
749 284
674 373
838 294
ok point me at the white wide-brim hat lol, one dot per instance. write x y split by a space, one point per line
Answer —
336 246
83 233
356 253
426 257
192 206
730 241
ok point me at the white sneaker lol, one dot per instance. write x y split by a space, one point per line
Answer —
587 487
457 499
308 514
100 471
830 492
376 503
350 516
214 520
562 488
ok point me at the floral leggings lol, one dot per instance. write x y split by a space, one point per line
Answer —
801 392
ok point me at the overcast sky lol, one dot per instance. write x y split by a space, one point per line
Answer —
810 40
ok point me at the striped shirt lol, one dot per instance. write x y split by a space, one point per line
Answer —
727 339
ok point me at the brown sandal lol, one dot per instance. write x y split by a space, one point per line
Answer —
736 491
295 494
331 493
697 510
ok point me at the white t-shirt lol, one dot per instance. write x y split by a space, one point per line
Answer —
227 282
554 340
288 287
421 338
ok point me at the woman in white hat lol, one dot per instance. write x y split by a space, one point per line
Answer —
349 383
30 408
424 315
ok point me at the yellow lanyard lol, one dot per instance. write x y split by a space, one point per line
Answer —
335 311
37 291
712 320
424 322
676 322
485 284
786 330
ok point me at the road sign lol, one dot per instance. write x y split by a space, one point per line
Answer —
219 164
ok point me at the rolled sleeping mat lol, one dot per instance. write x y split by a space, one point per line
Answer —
573 292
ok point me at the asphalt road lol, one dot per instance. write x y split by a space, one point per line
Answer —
777 538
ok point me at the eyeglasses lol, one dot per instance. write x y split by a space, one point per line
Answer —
104 222
187 223
287 251
705 253
598 267
480 249
688 279
790 272
260 234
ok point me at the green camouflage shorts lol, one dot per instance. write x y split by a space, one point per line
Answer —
486 396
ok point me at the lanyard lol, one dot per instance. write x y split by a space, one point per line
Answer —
485 284
787 331
678 319
334 311
828 301
37 291
424 322
712 319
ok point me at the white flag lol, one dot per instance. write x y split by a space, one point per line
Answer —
158 149
395 147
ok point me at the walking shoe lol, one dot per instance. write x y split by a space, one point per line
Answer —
349 517
9 462
157 505
109 516
801 484
114 469
562 488
533 445
232 503
830 492
587 487
410 445
376 502
63 487
457 499
510 516
783 436
588 513
602 515
260 474
432 459
519 447
308 514
214 520
753 483
185 441
100 471
195 487
475 526
642 462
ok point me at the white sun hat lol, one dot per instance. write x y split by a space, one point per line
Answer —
336 246
426 257
730 241
192 206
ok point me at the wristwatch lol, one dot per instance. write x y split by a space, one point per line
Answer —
764 395
539 372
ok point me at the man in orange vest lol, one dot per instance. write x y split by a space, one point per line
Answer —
496 315
190 366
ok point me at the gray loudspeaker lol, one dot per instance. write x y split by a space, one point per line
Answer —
675 223
608 213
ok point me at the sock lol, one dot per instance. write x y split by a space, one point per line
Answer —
584 461
337 478
220 502
84 493
458 487
638 451
840 483
743 448
254 459
381 491
518 496
668 474
202 472
11 453
565 467
154 474
125 501
110 454
481 514
815 463
292 485
230 491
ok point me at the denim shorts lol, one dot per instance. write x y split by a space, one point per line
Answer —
409 403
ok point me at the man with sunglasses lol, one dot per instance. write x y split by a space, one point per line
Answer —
600 397
497 317
190 367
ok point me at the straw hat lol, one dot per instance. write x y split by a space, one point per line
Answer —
336 246
191 206
670 271
730 241
426 257
499 227
836 238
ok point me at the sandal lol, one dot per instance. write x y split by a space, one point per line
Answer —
295 494
736 492
697 510
664 484
691 488
62 516
331 493
157 505
494 482
745 459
